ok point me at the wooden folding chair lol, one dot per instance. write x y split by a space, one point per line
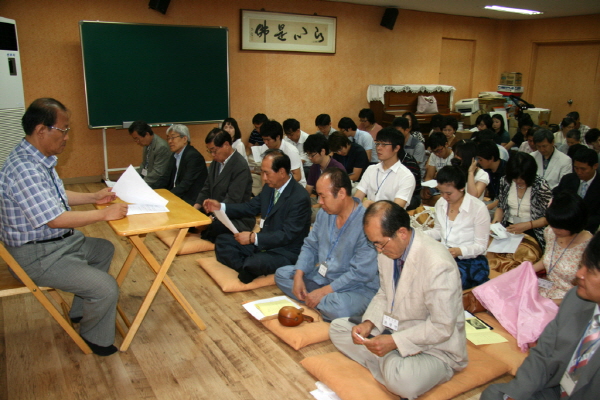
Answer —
9 286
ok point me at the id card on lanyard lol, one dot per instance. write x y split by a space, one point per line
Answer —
389 320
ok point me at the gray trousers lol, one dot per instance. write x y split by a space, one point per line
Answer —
332 306
78 265
408 377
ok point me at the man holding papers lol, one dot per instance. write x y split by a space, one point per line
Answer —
284 206
336 272
229 181
37 225
412 336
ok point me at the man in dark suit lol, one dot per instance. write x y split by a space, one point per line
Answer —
187 168
585 183
566 361
284 206
229 181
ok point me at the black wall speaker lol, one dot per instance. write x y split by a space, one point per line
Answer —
389 18
162 5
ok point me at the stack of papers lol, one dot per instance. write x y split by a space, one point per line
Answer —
478 332
142 199
264 308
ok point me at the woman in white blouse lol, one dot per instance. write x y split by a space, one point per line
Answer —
462 223
230 126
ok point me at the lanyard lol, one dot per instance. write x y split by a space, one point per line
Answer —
271 203
352 215
519 201
384 178
563 253
57 190
448 232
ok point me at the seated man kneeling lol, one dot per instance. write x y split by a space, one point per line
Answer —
284 206
336 271
413 333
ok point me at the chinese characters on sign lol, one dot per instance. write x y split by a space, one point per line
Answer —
289 32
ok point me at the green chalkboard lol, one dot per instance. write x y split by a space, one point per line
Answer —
158 73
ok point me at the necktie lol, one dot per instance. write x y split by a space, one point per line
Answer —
583 189
221 166
398 265
588 345
276 196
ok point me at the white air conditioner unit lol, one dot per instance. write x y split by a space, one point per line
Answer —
467 106
12 98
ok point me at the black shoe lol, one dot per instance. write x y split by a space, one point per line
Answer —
101 350
246 277
76 320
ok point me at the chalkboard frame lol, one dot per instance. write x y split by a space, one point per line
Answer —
112 99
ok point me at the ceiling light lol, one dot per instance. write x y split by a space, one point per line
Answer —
513 10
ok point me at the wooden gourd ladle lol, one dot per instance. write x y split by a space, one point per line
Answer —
292 316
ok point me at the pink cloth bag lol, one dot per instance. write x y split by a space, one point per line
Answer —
514 300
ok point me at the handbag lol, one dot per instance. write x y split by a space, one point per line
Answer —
427 105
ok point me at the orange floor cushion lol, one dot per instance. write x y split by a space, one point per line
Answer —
227 278
191 244
351 381
302 335
507 352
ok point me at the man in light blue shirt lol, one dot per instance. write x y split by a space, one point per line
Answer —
336 271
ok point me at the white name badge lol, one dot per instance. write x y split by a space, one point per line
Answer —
144 172
323 268
567 384
544 283
516 220
262 222
390 322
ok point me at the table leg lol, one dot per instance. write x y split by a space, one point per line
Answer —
161 278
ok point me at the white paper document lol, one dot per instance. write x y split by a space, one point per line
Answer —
132 189
508 245
109 183
225 221
432 183
257 154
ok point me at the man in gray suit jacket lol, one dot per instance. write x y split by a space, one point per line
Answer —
229 181
155 156
412 336
566 361
284 206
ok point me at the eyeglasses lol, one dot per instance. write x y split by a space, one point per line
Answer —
311 155
377 246
213 151
173 137
381 144
64 131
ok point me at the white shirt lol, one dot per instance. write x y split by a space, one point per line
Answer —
503 153
519 210
438 162
526 148
470 229
482 176
397 182
560 164
294 156
300 147
238 146
589 183
366 140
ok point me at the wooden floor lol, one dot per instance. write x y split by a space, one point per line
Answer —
234 358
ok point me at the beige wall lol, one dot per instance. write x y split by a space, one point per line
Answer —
282 85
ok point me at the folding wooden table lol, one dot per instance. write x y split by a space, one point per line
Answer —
181 216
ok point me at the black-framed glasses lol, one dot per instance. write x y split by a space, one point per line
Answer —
378 246
311 155
63 131
381 144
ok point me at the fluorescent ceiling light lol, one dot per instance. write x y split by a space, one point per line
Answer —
513 10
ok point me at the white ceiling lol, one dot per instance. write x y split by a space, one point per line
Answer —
474 8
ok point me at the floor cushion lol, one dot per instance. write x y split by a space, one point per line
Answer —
191 244
227 278
302 335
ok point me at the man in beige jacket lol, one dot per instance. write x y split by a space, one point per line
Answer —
412 336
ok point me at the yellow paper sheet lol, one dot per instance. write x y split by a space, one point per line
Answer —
485 337
272 308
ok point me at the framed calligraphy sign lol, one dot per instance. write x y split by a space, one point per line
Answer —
263 30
